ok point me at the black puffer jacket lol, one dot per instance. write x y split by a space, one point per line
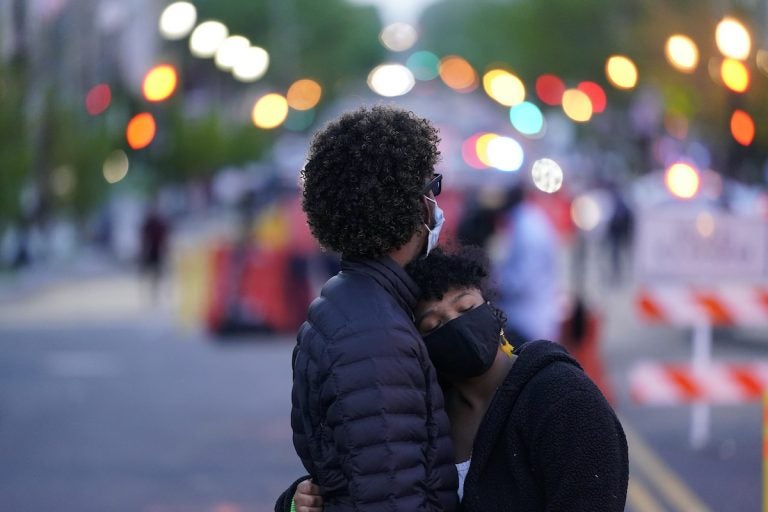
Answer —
368 419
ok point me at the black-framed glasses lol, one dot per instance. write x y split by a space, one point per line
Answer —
435 186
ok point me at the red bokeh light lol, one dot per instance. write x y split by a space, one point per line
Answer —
550 89
98 99
596 95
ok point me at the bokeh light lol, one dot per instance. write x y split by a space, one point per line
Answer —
391 80
270 111
481 148
424 65
586 213
547 175
398 37
550 89
231 51
177 20
682 180
735 75
252 63
505 154
469 152
577 106
527 118
682 53
621 72
63 181
160 83
596 95
98 99
304 94
742 127
504 87
733 39
115 167
140 130
458 74
206 38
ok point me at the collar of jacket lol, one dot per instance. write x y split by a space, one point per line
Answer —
390 276
532 357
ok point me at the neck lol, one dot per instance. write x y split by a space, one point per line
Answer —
478 391
411 250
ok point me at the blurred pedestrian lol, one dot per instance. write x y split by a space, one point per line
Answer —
619 233
154 239
530 429
526 269
368 418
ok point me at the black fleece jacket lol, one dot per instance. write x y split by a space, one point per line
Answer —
548 442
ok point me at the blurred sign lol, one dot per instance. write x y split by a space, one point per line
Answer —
716 305
701 247
654 383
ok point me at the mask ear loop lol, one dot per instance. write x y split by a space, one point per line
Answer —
506 346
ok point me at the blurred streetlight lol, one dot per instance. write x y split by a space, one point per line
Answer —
504 87
177 20
458 74
270 111
621 72
140 130
115 167
547 175
742 127
207 38
230 52
735 75
682 180
398 37
682 53
391 80
251 65
160 83
304 94
733 39
577 105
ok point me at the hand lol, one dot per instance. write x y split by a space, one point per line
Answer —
308 497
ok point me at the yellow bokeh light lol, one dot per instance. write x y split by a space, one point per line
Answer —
577 105
735 75
160 83
621 72
481 148
733 39
504 87
682 180
682 53
458 74
270 111
304 94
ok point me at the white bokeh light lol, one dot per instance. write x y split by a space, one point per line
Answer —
505 154
391 80
251 65
230 52
585 212
177 20
207 38
547 175
398 37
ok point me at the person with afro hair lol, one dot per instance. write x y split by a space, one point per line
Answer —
368 418
531 431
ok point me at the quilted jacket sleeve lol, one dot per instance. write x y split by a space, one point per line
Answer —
363 411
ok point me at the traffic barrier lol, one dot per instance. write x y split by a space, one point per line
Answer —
740 305
652 383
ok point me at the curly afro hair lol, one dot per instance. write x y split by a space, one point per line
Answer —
364 178
462 267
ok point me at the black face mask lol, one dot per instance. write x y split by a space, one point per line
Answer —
466 346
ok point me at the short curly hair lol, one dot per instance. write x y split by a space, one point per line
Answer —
462 266
364 177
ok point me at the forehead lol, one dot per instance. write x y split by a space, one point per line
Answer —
449 299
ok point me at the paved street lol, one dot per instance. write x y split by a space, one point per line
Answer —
105 404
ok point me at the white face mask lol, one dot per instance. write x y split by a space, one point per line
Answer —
434 233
